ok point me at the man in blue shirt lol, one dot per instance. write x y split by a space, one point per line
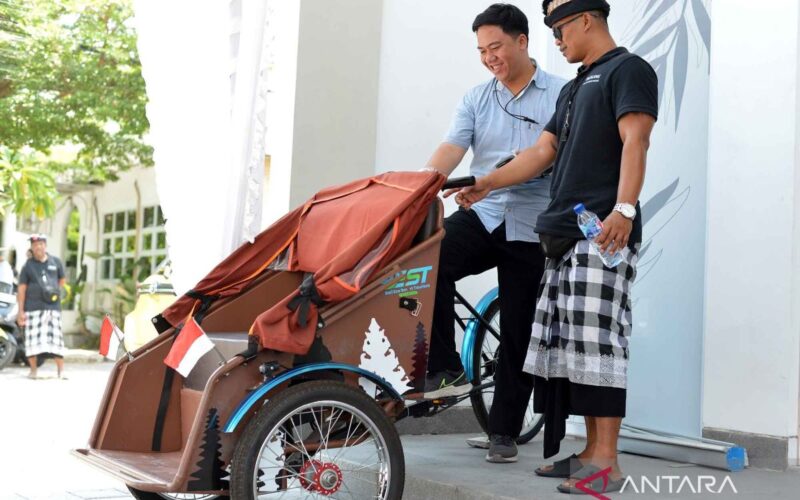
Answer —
496 119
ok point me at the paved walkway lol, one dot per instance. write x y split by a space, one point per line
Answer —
43 419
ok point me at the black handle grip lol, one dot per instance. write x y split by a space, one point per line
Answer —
459 182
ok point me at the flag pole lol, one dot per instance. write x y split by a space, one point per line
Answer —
121 340
221 357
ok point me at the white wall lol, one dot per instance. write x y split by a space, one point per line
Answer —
752 334
335 95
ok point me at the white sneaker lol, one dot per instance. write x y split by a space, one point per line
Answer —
481 442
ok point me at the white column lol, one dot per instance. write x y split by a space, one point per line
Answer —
336 94
752 330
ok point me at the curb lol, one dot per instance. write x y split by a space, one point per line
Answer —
82 356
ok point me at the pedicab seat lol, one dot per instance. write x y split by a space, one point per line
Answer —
431 224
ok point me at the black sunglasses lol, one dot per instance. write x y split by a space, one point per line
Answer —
557 30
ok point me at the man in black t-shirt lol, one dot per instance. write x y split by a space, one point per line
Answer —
598 139
39 299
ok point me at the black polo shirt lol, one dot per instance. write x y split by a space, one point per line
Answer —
34 274
588 160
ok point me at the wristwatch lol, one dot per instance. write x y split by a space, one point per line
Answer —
626 209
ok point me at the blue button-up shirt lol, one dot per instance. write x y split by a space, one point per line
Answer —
493 134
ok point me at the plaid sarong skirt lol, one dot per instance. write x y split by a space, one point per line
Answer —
43 333
583 319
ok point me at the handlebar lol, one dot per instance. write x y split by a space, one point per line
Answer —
459 182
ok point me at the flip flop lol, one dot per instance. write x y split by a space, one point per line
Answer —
561 468
596 485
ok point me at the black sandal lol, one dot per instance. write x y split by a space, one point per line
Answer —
595 485
561 468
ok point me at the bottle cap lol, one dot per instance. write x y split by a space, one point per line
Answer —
579 208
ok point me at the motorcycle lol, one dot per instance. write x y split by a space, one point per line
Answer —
11 340
12 337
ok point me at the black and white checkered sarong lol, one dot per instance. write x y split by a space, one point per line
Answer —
43 333
583 319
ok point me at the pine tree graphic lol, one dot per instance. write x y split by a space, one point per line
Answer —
208 476
420 359
379 357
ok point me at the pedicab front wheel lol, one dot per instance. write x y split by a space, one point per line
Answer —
318 439
146 495
484 364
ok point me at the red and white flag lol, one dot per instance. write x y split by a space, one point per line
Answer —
192 343
110 338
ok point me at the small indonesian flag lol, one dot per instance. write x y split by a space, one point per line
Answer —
110 338
192 343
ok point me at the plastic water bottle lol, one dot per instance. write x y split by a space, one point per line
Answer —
591 227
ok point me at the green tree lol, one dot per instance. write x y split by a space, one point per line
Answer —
25 186
71 88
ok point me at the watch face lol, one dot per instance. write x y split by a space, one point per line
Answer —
627 211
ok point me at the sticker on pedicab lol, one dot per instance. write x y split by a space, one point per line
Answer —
379 357
408 281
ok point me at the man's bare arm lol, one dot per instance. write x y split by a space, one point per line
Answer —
446 158
634 130
21 289
528 164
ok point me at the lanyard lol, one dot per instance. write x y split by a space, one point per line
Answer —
573 90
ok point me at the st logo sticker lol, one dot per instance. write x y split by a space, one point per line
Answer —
408 281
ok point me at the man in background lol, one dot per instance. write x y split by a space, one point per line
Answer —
39 299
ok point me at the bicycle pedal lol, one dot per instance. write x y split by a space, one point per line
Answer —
445 401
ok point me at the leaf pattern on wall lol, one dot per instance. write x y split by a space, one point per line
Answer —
652 17
680 67
652 37
657 213
703 21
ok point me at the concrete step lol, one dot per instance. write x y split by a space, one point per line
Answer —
445 468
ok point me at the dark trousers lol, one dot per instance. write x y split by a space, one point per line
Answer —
468 249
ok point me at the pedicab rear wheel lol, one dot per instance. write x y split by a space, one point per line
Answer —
484 363
317 439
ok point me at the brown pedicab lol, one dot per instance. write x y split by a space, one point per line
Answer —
321 329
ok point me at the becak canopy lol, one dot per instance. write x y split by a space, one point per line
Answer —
341 237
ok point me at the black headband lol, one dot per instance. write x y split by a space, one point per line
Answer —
559 9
